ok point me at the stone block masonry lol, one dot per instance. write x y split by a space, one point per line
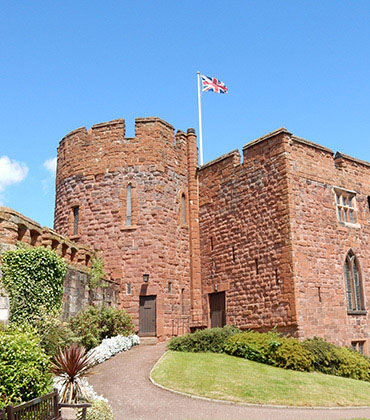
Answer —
275 237
137 205
245 235
14 227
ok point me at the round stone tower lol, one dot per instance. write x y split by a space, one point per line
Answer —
135 201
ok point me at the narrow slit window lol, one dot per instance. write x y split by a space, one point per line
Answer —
233 250
128 289
76 215
368 201
169 287
257 268
129 206
277 276
182 302
183 209
211 243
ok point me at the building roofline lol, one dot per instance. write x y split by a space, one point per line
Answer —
340 155
266 137
234 152
312 144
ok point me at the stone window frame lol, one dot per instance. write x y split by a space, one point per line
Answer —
123 204
71 223
183 208
129 205
360 346
346 207
354 285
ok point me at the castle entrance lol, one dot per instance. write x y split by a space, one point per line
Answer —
217 309
147 316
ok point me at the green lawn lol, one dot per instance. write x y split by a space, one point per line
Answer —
225 377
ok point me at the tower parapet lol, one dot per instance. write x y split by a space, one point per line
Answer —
126 197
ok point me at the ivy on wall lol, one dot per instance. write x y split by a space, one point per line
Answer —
97 273
33 279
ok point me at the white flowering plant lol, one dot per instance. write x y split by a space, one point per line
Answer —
111 346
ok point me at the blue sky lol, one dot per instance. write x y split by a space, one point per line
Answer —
64 64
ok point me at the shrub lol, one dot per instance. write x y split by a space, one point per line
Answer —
210 340
292 355
325 358
270 348
339 361
351 364
114 322
253 345
58 336
100 410
94 324
71 364
86 326
24 367
33 279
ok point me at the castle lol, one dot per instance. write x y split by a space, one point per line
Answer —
277 237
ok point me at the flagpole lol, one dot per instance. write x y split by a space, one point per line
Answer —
200 120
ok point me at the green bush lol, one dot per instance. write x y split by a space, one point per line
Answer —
335 360
292 355
58 336
24 367
93 324
352 364
86 326
33 279
325 358
270 348
100 410
209 340
115 321
253 345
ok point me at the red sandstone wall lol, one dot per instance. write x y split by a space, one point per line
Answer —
245 207
320 242
94 169
14 228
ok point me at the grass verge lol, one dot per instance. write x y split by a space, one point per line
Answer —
229 378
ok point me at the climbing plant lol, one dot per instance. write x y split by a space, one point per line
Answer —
33 279
97 273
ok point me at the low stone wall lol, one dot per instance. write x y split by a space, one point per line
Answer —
77 294
14 227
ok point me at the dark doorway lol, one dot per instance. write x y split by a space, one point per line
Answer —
217 309
147 316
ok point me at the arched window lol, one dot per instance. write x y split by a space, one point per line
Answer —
128 205
355 296
183 209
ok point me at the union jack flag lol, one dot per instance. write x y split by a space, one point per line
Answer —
212 84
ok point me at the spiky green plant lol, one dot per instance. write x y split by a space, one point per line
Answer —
71 364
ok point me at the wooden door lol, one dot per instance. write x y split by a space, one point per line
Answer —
147 316
217 309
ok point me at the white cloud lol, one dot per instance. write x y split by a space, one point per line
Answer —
11 172
51 165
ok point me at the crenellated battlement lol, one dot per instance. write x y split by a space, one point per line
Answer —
104 147
14 227
320 156
116 129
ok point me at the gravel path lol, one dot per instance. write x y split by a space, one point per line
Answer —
124 380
